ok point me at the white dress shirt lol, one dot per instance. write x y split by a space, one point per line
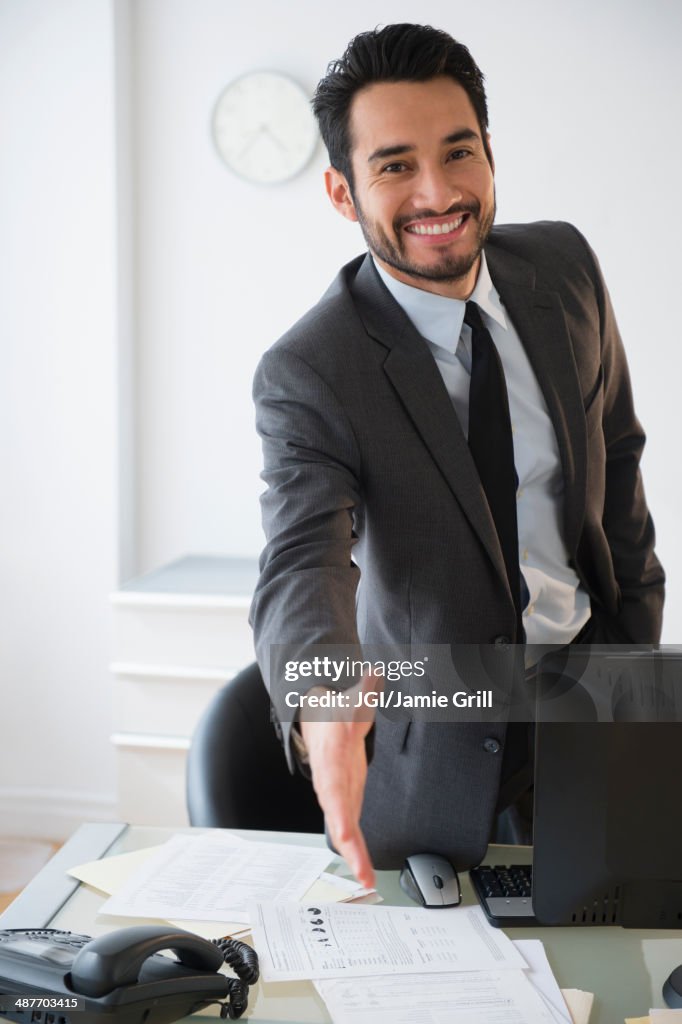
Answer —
559 606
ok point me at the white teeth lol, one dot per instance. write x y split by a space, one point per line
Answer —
436 229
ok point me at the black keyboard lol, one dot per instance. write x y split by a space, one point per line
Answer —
505 894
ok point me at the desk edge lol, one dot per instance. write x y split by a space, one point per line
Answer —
47 893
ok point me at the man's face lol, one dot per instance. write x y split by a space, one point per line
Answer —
423 189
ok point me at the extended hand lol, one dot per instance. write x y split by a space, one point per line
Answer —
338 762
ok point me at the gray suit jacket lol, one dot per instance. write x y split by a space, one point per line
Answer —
369 476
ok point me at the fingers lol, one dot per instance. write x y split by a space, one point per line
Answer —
355 853
336 751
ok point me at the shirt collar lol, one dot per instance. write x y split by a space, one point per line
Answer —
438 318
486 295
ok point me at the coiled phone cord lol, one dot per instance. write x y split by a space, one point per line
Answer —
244 962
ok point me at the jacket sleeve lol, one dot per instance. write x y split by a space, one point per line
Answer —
306 591
627 522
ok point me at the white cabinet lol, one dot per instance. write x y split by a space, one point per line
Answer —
180 632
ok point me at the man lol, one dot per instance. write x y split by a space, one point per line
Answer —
365 408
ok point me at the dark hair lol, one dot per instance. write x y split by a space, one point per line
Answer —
395 53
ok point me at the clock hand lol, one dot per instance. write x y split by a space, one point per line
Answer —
261 130
280 145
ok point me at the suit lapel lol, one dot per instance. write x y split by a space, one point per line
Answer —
415 376
539 319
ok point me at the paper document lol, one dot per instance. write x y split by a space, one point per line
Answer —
469 997
110 873
298 941
212 877
477 997
657 1017
579 1003
540 975
330 888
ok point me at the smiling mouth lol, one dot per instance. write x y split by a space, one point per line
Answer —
443 227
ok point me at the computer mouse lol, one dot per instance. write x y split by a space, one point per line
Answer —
431 880
672 990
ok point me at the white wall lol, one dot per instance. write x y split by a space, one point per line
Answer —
135 329
583 100
58 461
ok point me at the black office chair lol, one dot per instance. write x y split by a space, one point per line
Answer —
237 776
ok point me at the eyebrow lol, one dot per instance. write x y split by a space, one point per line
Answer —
461 135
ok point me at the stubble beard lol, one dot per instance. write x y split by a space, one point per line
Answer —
449 268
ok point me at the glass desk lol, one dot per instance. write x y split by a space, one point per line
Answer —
624 968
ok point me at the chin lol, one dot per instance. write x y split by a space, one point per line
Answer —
444 271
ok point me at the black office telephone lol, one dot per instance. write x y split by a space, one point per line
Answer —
49 976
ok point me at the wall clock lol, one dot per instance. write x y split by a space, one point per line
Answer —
263 127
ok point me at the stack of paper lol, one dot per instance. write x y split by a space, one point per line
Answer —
203 882
212 877
395 965
579 1004
371 965
657 1017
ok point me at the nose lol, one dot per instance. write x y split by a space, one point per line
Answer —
435 189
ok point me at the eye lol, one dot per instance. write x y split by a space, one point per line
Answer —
393 168
459 154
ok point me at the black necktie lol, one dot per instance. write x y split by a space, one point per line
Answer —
492 448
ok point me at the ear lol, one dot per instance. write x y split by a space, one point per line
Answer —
490 152
339 193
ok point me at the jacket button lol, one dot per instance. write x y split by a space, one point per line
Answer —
502 641
491 745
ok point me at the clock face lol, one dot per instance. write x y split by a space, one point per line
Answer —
263 127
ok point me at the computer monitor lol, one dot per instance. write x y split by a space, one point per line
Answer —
607 832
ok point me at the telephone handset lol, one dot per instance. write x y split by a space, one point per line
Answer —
49 976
